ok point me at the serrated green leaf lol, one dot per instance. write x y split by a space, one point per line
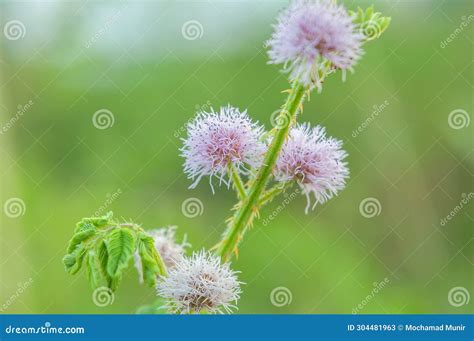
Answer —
120 248
73 261
80 237
94 273
150 269
97 222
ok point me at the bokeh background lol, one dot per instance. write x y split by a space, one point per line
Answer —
142 65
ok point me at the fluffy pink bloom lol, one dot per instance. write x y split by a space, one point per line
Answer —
308 33
200 282
314 161
218 139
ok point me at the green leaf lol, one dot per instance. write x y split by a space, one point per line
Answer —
73 261
150 269
97 222
94 272
80 237
120 248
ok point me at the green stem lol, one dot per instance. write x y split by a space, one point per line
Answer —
247 210
237 182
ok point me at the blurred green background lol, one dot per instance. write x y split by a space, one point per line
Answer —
72 59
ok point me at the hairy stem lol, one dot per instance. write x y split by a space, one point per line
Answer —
237 182
248 208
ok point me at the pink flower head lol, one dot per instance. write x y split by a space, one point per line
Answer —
311 32
314 161
218 139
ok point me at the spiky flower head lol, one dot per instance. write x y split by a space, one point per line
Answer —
314 37
169 249
217 140
200 283
315 161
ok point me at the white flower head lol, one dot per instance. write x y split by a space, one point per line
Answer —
313 37
315 161
200 283
217 140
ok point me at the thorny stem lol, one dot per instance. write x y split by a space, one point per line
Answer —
237 182
248 208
